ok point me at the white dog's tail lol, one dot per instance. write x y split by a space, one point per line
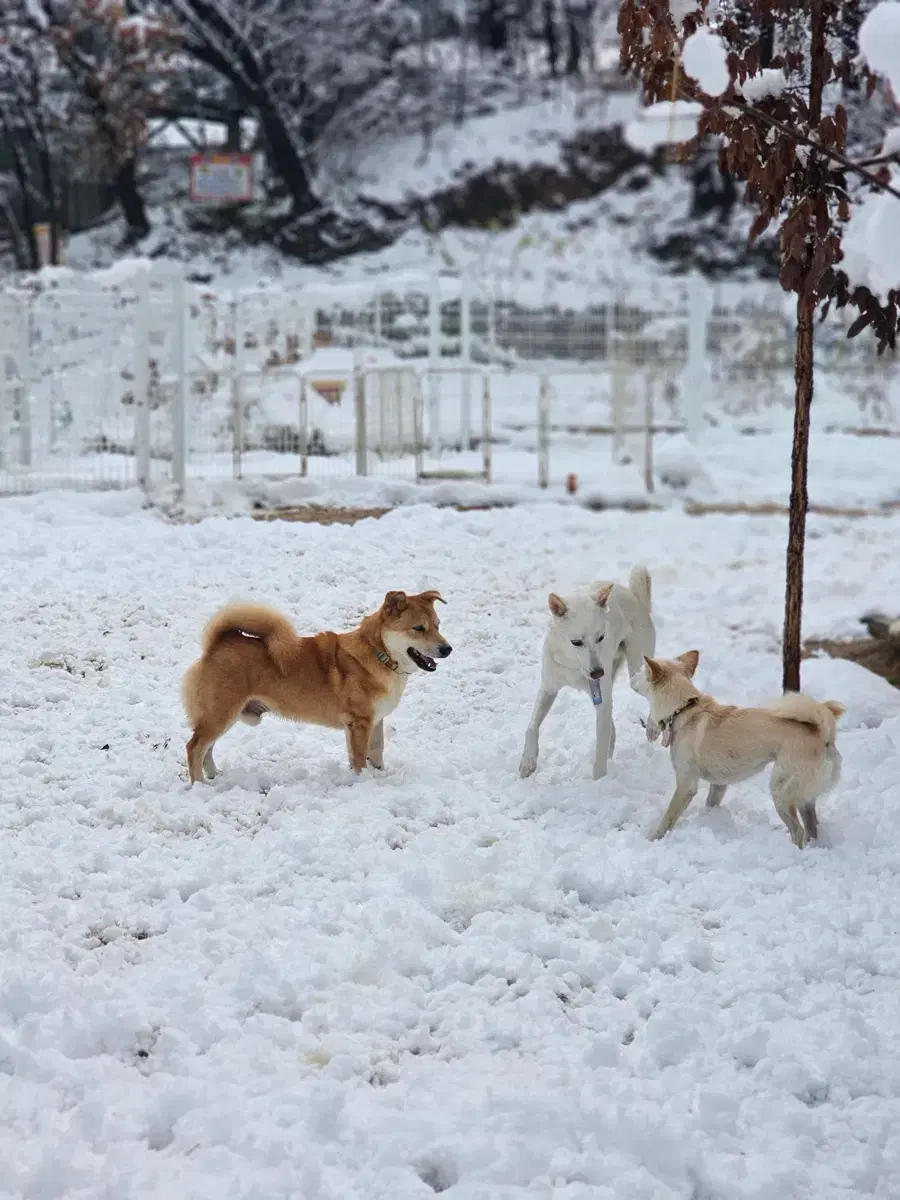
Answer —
823 717
639 582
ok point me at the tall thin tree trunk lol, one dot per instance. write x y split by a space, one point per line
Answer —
131 202
551 37
793 598
803 378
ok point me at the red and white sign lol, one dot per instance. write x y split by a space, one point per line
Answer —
221 178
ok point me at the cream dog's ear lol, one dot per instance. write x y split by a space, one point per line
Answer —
690 659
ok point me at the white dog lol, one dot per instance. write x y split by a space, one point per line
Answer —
591 634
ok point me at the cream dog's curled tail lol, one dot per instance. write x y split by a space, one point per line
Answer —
821 715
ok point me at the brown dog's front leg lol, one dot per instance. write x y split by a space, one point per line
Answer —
376 747
359 733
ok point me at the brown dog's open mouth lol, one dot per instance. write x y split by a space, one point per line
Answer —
421 660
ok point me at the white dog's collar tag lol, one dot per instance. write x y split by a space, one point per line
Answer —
666 738
596 694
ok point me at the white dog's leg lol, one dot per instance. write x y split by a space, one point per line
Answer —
528 761
605 735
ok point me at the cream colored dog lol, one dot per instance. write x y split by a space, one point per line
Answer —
723 744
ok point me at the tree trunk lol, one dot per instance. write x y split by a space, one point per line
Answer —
51 197
766 40
287 163
849 21
131 202
793 597
492 26
575 47
803 377
551 37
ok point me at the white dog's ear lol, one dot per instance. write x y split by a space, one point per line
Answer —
690 659
558 606
603 595
655 670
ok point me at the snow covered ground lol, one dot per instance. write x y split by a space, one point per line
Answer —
294 983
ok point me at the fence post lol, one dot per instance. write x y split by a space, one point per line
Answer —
26 397
465 353
142 379
486 443
695 380
304 428
5 357
648 434
418 436
359 405
182 395
434 362
492 327
619 406
237 401
544 432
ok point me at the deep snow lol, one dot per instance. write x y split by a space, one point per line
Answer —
296 984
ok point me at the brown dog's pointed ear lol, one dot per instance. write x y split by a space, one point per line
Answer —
690 659
558 606
604 594
394 604
654 669
430 596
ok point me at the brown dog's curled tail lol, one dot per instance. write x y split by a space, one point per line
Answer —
257 620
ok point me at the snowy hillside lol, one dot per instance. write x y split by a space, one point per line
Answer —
545 188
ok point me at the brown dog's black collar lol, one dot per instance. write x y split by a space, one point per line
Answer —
384 657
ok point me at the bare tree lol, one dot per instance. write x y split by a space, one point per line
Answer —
31 124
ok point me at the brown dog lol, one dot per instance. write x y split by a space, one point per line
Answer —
253 662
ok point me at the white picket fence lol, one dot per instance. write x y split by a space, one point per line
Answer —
136 375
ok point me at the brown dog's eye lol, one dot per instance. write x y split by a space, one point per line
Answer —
418 628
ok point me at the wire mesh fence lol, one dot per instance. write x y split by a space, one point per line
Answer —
138 376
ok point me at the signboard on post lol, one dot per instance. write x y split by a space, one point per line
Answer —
222 178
